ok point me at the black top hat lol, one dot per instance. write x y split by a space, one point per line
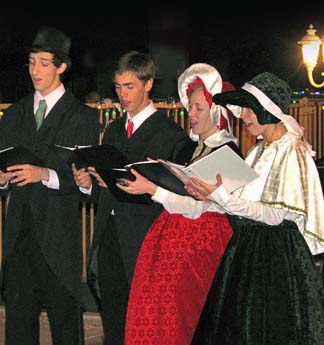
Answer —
54 41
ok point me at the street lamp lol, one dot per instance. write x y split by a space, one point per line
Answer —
310 44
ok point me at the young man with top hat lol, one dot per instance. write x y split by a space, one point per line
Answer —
267 289
121 226
42 262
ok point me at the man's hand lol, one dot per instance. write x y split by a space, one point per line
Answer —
94 173
82 177
4 178
23 174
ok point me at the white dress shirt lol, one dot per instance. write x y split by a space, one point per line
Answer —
51 99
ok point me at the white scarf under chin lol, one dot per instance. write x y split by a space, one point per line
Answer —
217 139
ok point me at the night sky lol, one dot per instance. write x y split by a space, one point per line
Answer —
240 42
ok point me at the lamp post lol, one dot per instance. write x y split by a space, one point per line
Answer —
310 44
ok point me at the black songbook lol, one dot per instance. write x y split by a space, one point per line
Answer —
101 157
105 159
17 155
158 173
112 166
112 176
234 170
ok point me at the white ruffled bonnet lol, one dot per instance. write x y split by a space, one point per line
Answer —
212 81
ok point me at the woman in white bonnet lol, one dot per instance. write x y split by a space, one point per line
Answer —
267 290
179 256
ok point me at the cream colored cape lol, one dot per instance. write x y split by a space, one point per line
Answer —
289 179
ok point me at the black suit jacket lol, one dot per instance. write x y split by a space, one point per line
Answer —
157 137
55 218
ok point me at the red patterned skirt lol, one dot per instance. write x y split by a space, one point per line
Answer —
174 271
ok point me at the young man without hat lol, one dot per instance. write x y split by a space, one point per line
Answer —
121 226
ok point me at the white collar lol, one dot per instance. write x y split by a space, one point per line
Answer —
140 117
51 99
216 139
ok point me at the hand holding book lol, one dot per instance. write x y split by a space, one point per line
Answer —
111 165
140 185
200 189
155 172
234 170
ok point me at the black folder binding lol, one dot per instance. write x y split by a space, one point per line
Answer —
112 165
158 174
104 158
17 155
234 170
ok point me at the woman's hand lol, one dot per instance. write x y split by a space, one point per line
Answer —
200 189
141 185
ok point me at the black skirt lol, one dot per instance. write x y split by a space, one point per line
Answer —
267 290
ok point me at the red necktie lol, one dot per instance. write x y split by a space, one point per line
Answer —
130 126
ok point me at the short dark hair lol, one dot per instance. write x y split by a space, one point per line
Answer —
140 63
57 62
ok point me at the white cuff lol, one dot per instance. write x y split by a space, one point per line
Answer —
53 180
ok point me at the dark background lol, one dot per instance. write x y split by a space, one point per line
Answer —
240 40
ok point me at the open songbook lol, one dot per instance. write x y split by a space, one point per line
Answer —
234 170
17 155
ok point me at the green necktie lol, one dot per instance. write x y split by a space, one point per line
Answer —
40 112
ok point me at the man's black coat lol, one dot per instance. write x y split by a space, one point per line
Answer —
158 137
55 213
